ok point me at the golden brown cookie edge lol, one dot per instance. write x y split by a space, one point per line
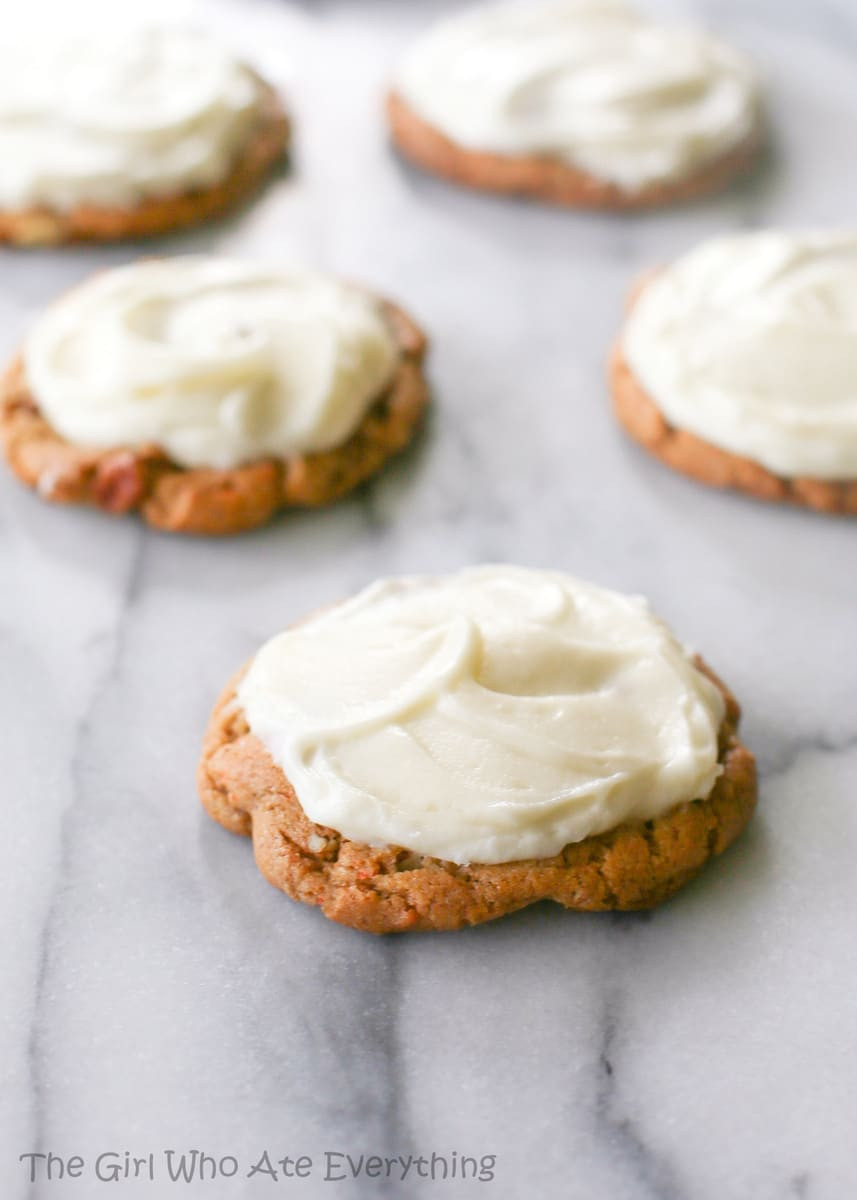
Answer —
207 501
549 179
389 889
691 455
266 145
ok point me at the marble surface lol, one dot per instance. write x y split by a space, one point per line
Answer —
158 994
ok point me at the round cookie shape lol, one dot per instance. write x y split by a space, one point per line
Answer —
493 715
219 362
437 751
580 102
209 392
737 366
128 135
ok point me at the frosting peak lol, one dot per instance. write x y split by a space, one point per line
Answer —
112 121
588 81
493 715
218 362
750 341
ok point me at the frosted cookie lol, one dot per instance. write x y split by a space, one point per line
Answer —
128 136
436 752
209 393
578 102
737 366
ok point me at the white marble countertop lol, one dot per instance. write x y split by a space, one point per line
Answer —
158 994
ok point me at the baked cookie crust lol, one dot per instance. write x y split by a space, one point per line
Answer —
392 890
204 500
266 144
549 179
640 416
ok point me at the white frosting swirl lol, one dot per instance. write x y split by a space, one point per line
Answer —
112 121
493 715
215 361
587 81
750 342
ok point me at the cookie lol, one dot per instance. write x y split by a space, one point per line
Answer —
208 394
139 136
736 364
587 105
464 715
550 180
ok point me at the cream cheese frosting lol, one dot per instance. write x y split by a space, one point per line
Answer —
111 121
588 81
218 362
750 342
488 716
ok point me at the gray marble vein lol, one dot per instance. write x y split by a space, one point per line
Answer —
159 995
